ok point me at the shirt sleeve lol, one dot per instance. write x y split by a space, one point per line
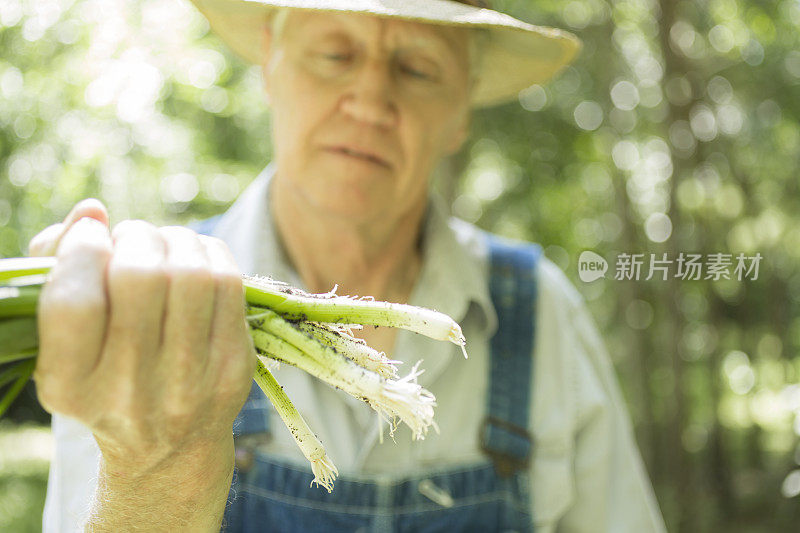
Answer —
72 480
612 489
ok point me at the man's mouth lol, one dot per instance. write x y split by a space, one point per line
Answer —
360 154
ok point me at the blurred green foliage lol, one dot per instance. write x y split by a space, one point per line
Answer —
24 459
676 131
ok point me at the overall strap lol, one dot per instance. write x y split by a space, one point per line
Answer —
254 416
505 434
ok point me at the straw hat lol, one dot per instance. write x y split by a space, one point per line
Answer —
515 55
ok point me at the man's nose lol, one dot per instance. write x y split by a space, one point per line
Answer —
370 97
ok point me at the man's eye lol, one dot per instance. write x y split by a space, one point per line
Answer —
337 57
416 73
421 70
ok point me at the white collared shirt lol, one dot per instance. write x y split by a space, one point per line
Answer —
586 472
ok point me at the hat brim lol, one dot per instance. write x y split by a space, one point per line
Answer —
515 55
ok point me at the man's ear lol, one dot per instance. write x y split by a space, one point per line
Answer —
461 133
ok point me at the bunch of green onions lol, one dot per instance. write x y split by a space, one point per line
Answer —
310 331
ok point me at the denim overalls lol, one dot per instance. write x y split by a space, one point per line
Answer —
490 495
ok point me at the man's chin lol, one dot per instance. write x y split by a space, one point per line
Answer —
350 208
354 196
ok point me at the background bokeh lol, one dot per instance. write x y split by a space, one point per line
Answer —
676 131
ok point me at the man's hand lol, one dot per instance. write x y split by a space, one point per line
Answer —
143 338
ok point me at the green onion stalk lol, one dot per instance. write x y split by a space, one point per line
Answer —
313 332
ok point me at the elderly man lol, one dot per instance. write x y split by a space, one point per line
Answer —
367 97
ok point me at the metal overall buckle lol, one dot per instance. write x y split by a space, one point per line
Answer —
505 464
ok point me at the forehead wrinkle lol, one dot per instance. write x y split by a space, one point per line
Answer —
422 35
441 35
428 36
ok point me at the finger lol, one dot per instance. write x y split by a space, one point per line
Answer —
190 302
229 303
46 241
229 339
89 207
72 310
137 284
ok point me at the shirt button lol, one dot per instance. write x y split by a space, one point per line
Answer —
436 494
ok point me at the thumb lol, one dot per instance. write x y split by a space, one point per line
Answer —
46 242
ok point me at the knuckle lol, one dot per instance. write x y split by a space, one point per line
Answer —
91 250
59 303
228 282
214 242
70 298
132 226
197 277
177 232
219 253
137 275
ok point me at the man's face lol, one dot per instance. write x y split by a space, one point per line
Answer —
363 109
